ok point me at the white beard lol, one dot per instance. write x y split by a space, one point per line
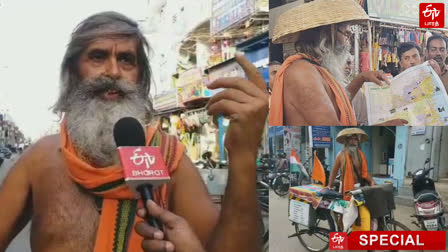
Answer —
352 149
335 61
90 124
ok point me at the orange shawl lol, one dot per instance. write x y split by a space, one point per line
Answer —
116 231
348 173
276 110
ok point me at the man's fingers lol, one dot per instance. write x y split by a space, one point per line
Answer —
403 122
236 83
148 232
377 81
251 71
386 79
224 107
158 246
168 218
141 213
231 94
394 122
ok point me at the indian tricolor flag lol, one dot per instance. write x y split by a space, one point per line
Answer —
295 165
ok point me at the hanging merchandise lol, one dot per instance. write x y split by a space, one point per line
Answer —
199 134
364 56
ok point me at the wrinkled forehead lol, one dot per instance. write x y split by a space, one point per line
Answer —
437 43
119 43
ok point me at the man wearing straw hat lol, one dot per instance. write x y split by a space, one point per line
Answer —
311 86
352 163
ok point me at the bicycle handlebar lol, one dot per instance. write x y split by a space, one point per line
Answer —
354 192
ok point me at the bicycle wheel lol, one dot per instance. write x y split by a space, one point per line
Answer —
265 228
281 185
316 239
393 225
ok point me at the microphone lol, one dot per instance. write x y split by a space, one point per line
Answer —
144 168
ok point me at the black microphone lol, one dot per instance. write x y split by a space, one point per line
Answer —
128 132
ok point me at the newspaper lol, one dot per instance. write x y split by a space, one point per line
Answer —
416 95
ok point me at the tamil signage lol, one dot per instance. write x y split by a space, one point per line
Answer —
226 13
321 136
403 11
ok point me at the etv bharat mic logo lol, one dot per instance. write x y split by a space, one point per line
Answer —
139 159
338 241
432 15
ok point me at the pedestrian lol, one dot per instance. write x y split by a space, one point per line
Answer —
352 164
436 50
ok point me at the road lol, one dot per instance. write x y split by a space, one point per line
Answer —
280 227
22 241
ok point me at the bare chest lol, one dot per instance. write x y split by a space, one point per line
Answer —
64 215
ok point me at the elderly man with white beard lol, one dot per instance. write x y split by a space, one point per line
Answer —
351 163
71 184
311 86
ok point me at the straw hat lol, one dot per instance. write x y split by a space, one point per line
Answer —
343 134
315 14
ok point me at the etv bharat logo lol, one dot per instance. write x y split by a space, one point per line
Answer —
138 159
432 15
338 241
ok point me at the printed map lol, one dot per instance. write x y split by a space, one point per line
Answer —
416 95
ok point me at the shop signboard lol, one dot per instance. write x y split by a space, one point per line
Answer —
402 11
166 101
275 131
226 13
321 136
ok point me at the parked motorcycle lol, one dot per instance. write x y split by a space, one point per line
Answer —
428 204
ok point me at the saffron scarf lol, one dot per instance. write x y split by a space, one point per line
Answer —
276 116
116 231
348 172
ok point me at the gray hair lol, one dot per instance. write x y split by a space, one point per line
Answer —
318 44
101 25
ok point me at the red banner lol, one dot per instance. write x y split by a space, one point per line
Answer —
397 240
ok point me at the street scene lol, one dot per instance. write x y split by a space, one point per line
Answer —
281 227
306 160
22 241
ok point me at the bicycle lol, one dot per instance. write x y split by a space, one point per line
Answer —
325 223
282 181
